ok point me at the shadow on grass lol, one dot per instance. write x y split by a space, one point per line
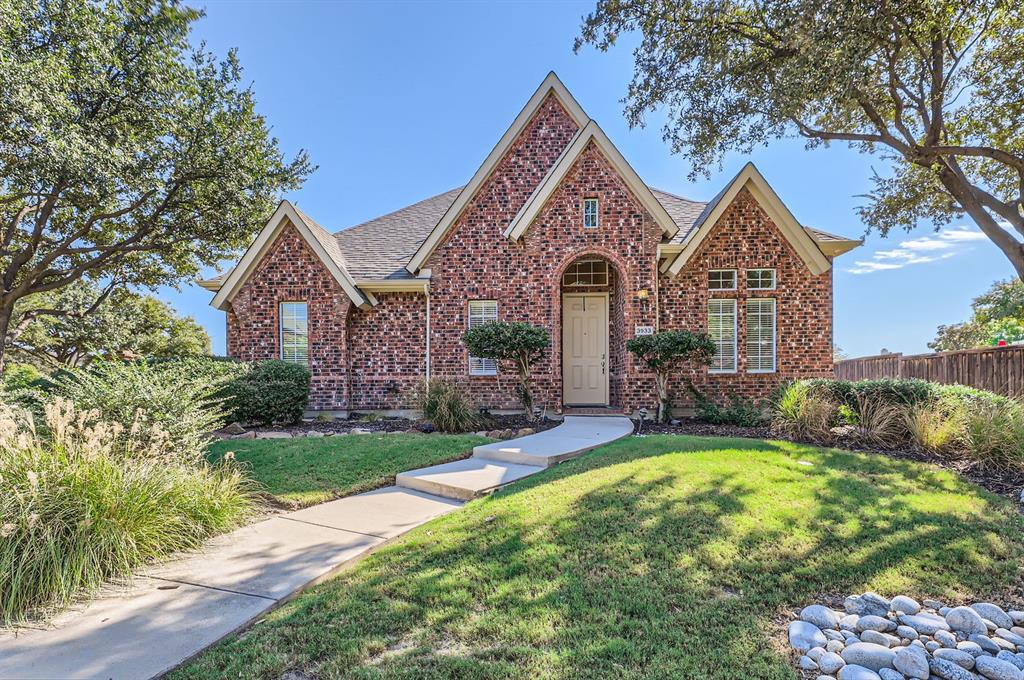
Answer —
651 558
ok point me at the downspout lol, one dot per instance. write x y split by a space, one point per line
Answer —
428 335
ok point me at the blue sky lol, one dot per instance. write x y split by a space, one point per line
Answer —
400 101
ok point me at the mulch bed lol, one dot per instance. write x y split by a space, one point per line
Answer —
363 423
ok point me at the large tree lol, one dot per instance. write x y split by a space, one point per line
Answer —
124 323
997 314
126 155
933 86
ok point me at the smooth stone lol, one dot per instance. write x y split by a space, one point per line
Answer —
993 613
1009 657
932 645
815 653
820 616
1017 630
314 433
273 435
866 605
986 643
835 646
907 632
825 677
855 672
808 664
945 638
849 622
949 670
944 610
1005 644
804 636
1017 616
869 655
933 604
1010 636
925 624
831 663
967 620
958 657
890 674
972 648
905 605
878 623
877 638
912 662
833 634
996 669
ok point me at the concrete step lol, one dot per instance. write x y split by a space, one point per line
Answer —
464 479
575 436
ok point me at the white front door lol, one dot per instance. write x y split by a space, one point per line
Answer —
585 349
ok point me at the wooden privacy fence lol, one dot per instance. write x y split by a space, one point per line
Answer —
996 369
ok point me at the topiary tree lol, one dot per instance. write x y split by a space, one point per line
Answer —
517 342
666 352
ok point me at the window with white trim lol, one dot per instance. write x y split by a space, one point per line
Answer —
294 332
480 312
761 336
760 279
722 279
590 213
722 329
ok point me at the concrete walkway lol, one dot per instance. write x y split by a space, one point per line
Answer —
175 610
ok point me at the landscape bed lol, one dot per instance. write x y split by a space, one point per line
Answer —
661 556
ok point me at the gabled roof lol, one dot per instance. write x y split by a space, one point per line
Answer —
551 85
591 133
320 241
751 179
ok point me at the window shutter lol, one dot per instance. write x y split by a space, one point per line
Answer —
761 336
480 312
722 329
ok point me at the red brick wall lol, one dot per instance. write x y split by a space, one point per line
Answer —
291 272
387 351
745 238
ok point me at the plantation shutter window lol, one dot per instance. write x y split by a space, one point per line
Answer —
722 329
480 312
761 336
294 332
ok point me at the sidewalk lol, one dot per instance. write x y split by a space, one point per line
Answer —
175 610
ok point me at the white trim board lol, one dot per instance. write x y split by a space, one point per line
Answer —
751 179
285 214
551 85
591 132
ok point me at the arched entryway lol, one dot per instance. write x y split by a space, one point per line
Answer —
591 323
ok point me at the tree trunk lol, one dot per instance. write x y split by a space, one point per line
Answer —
661 379
5 324
525 389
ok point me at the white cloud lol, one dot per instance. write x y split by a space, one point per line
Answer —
944 245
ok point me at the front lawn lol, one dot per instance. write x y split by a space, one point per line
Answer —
653 557
306 470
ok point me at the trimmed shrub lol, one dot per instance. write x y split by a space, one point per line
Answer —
81 505
271 392
162 406
518 342
447 406
801 413
893 391
739 412
666 353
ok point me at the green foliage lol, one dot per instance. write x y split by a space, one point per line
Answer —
83 505
138 157
271 392
518 342
20 377
447 406
81 325
802 413
994 434
930 86
890 390
739 412
997 314
165 408
935 427
667 352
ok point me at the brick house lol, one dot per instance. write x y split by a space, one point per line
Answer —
555 228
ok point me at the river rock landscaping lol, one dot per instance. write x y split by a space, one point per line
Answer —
874 638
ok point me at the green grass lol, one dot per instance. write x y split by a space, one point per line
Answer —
650 558
307 470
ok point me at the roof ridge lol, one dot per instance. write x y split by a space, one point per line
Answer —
395 212
669 193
